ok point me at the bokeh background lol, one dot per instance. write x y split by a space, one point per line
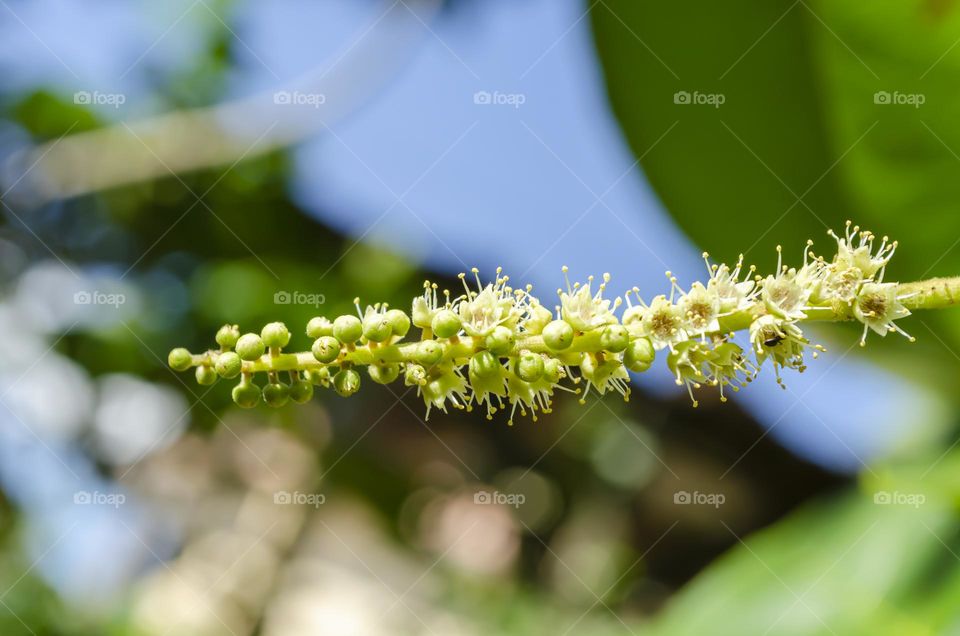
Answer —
169 167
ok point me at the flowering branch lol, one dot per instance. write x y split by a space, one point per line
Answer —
498 347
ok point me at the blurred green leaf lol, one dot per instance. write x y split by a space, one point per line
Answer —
800 120
731 174
881 560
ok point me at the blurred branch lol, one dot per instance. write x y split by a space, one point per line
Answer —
229 132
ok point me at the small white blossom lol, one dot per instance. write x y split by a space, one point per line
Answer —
583 309
425 306
855 249
781 341
663 323
877 306
841 283
700 308
734 294
496 304
783 294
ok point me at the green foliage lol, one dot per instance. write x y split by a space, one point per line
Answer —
799 142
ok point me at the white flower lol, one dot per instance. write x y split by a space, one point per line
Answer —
813 273
734 294
496 304
583 309
425 306
841 283
700 308
686 361
780 341
604 372
728 367
784 295
877 306
855 249
445 383
663 323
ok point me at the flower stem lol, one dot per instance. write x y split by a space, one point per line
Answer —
934 293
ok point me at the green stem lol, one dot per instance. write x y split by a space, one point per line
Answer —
934 293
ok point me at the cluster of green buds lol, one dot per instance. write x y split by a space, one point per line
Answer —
497 347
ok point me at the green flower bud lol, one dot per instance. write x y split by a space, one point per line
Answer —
384 373
639 355
326 349
301 391
319 376
484 365
229 365
539 317
421 312
614 338
414 374
399 322
588 364
558 335
347 382
500 341
552 370
428 353
347 329
206 375
250 346
180 359
486 376
228 335
319 326
445 324
529 367
275 334
246 394
376 327
276 394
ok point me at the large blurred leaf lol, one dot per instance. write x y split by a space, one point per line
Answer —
903 176
799 118
729 174
880 561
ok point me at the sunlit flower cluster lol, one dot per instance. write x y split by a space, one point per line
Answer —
500 349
